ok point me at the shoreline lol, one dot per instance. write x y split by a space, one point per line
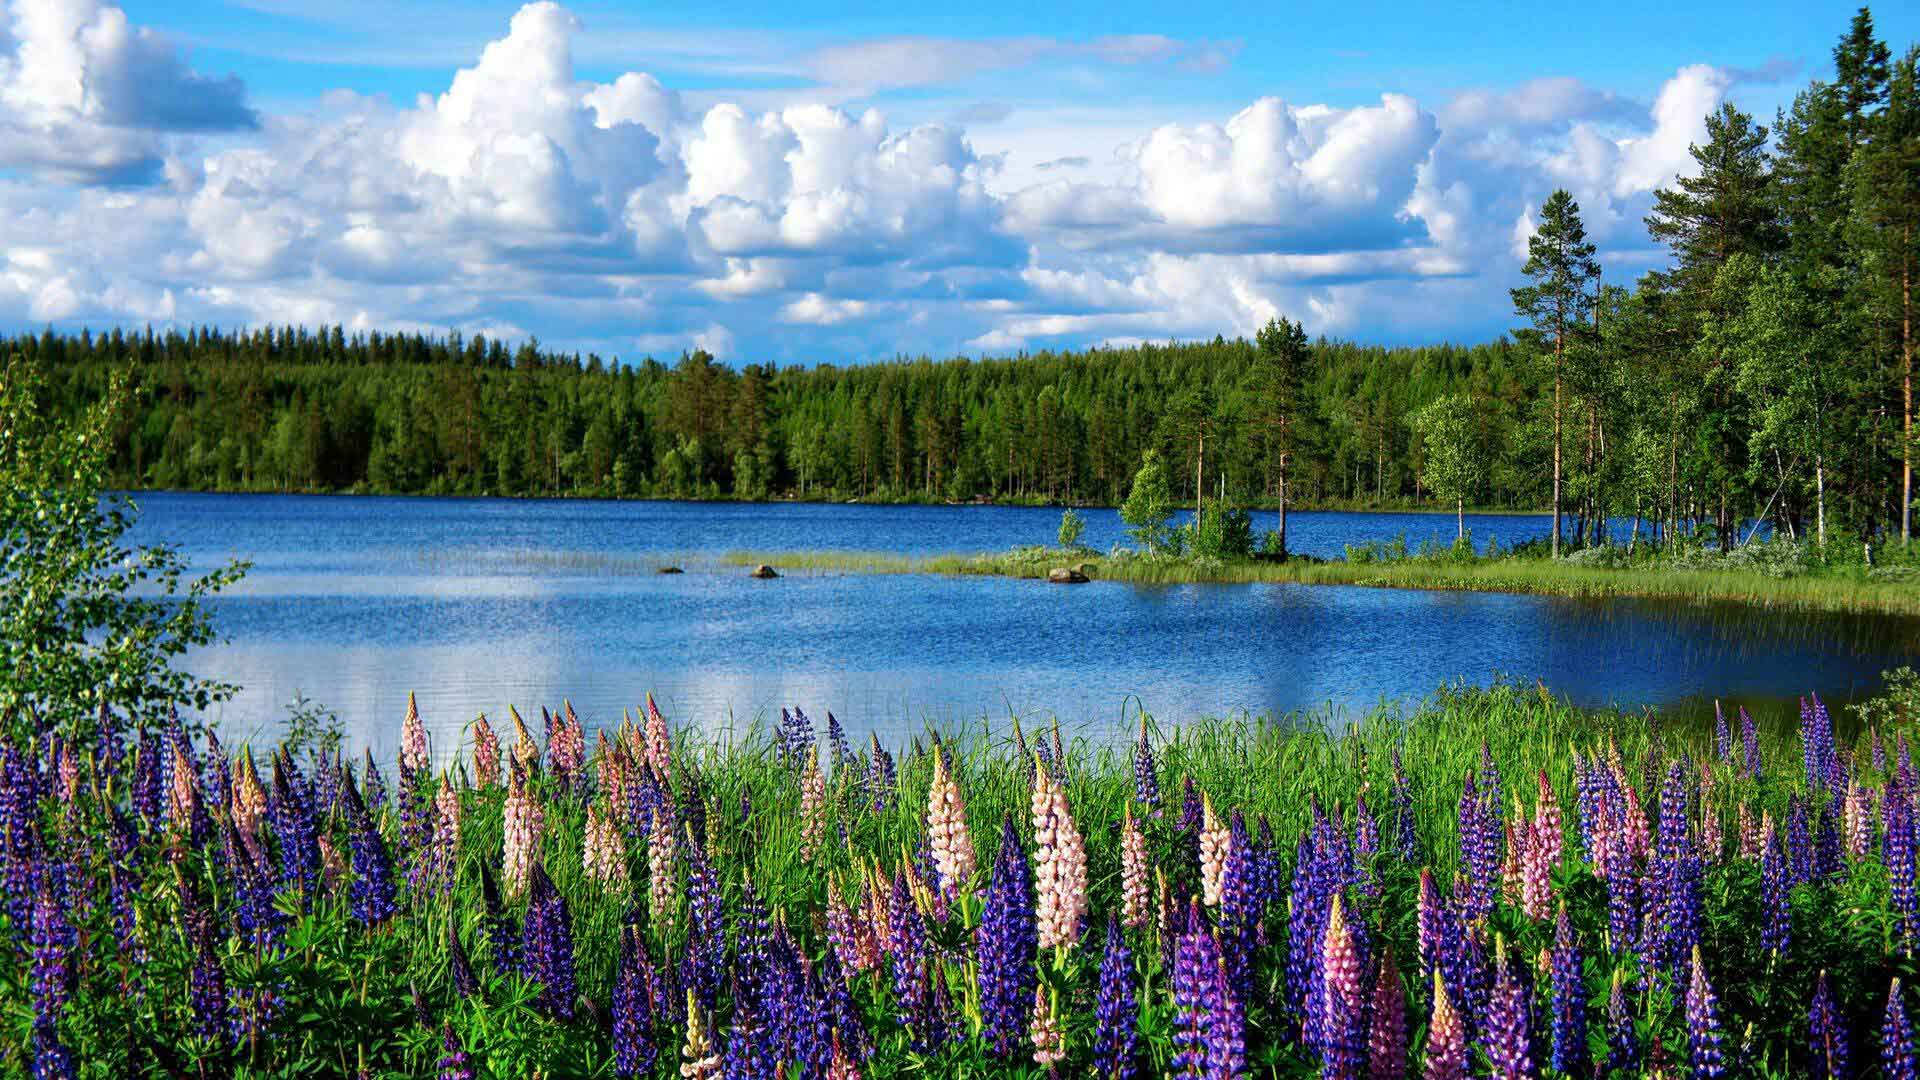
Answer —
1511 576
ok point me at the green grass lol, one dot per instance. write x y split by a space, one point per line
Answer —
1507 575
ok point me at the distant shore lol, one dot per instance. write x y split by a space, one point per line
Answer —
1503 575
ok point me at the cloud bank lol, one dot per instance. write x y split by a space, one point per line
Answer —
618 216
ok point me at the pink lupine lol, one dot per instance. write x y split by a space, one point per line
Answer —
567 748
523 820
446 825
813 807
1446 1056
1712 833
1387 1031
659 742
603 853
1133 872
1512 869
1749 830
1215 841
952 847
526 752
1549 831
1049 1041
613 772
1858 817
663 848
1343 1000
249 806
486 754
413 738
1059 864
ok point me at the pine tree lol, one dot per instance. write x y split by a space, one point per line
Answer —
1887 226
1559 303
1279 384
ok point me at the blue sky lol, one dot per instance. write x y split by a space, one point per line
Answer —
845 181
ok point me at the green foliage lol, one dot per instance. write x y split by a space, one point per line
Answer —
1221 532
88 623
1453 461
1149 507
312 729
1072 527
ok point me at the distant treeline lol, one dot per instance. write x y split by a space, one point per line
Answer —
1767 371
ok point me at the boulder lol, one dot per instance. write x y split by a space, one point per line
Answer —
1066 575
764 571
669 570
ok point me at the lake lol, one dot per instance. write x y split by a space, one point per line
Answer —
477 603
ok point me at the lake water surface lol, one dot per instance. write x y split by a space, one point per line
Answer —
474 604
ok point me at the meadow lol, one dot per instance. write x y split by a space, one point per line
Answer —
1490 882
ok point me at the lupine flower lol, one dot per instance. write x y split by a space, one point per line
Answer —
1060 865
813 806
1146 772
486 754
454 1064
706 947
952 847
1677 880
1896 1039
1750 744
659 742
1446 1054
1116 1014
1902 853
1777 929
1569 1000
632 1007
1387 1032
374 787
1133 871
697 1058
746 1055
566 744
503 938
1826 1034
603 852
413 739
1049 1042
50 944
662 868
1703 1024
523 822
1190 808
906 940
207 999
373 889
549 944
1214 842
1343 1001
1722 739
1006 944
1623 1043
525 752
460 967
1508 1036
881 775
837 742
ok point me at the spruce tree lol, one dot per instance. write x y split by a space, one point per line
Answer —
1558 303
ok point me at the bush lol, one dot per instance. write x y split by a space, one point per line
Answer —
1222 532
1072 526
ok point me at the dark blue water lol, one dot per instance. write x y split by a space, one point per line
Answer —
477 603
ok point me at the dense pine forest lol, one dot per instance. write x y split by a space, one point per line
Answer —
1766 372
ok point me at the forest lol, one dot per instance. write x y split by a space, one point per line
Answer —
1766 373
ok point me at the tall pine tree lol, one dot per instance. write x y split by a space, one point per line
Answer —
1559 303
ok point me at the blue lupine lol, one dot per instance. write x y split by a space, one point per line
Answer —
50 944
1116 1013
1902 852
1406 841
1204 1035
1006 945
1508 1034
1146 772
1704 1038
1569 999
1826 1034
706 951
149 781
881 777
549 944
1623 1042
1677 879
1776 931
1722 739
503 938
1239 909
837 743
207 999
633 1049
1799 843
1750 743
459 968
294 826
746 1056
1896 1039
373 889
375 786
454 1063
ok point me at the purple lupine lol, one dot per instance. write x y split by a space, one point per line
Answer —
1306 929
415 804
207 999
149 780
1366 847
1896 1039
1508 1035
746 1057
1776 931
503 938
908 953
375 785
706 950
1821 758
1623 896
1623 1042
849 1031
260 919
459 968
1828 861
294 826
1387 1023
1826 1034
1703 1025
549 943
1116 1014
1343 1000
1239 909
633 1049
753 940
1750 743
1193 974
1406 841
1900 857
1569 999
1190 808
1677 880
1478 848
373 890
1722 739
1146 772
837 743
1006 945
881 777
454 1063
50 944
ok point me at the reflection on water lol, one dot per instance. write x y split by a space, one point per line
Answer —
474 604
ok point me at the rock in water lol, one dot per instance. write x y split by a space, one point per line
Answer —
670 570
1067 575
764 571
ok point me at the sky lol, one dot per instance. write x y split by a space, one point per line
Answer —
835 181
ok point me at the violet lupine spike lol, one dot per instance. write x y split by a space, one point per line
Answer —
459 967
1116 1014
705 958
1826 1034
1776 932
634 1052
1006 946
1190 806
1677 880
1146 772
1896 1039
1387 1023
50 944
455 1063
837 743
503 938
1569 1021
1704 1039
1623 1042
1193 974
295 827
1722 738
907 953
1507 1040
1239 909
1406 841
1750 743
373 889
1901 857
1799 842
549 944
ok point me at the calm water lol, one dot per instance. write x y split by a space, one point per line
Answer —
477 603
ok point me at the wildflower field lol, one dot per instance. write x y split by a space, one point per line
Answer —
1491 883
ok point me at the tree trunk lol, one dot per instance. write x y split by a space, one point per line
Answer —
1199 485
1906 387
1283 506
1556 444
1460 519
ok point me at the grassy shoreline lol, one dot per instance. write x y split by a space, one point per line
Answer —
1507 575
